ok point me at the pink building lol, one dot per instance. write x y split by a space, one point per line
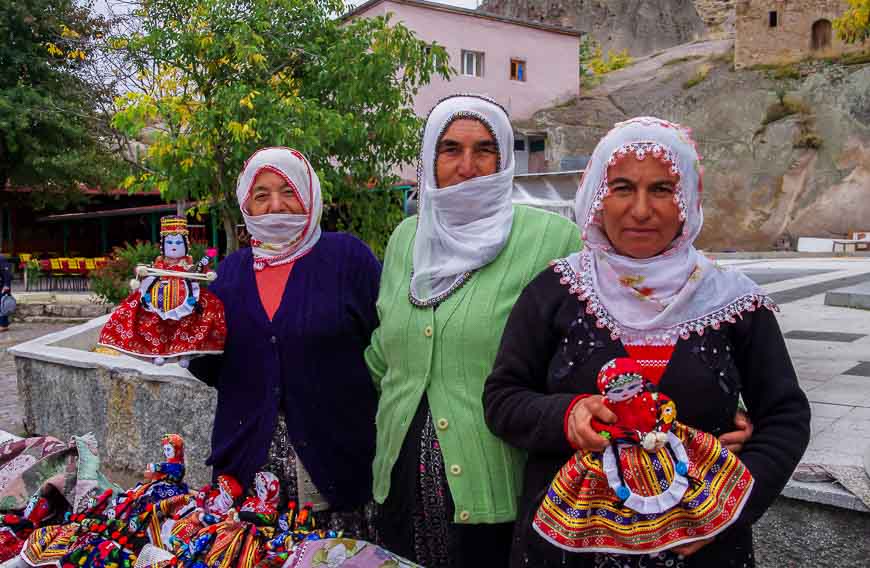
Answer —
524 66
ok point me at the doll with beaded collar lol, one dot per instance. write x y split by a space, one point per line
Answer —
168 317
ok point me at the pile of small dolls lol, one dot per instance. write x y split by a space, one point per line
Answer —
161 523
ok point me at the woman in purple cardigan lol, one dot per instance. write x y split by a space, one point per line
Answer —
294 395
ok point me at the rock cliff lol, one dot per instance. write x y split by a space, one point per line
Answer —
773 171
637 25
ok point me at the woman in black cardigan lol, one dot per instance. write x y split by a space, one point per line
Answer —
639 288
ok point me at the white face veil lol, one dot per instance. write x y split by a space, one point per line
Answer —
463 227
281 238
660 299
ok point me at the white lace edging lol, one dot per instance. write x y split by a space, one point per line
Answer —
640 150
580 285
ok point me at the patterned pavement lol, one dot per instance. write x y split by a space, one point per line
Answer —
11 414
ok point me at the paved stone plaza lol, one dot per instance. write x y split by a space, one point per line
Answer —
830 347
11 413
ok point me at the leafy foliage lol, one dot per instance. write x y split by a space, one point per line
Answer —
49 138
227 77
111 282
854 25
594 64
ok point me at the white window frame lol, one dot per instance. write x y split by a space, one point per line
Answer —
477 63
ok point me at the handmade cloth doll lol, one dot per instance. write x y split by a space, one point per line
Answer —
173 468
164 480
659 484
262 508
211 507
168 317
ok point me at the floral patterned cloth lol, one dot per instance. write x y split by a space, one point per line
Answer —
30 465
344 553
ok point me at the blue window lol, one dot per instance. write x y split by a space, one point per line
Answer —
518 70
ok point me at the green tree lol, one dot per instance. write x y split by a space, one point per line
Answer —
854 25
226 77
50 132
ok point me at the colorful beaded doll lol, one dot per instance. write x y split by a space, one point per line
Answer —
168 316
659 484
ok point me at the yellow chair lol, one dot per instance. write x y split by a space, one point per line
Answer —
57 273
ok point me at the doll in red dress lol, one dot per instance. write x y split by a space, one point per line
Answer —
168 317
657 485
643 415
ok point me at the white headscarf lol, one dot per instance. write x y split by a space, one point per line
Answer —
660 299
465 226
280 238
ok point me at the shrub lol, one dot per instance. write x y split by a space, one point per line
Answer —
809 140
786 72
698 77
110 283
594 62
785 107
856 58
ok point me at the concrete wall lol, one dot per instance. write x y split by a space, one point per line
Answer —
552 60
757 42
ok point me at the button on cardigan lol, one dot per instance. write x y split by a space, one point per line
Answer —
447 354
308 361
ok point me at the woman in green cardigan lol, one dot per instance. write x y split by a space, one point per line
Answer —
447 486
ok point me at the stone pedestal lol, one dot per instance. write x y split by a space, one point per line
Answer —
128 404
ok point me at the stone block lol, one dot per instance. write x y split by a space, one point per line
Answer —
126 410
94 310
850 297
29 310
68 311
54 310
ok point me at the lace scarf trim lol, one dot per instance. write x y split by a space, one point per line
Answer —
640 150
581 286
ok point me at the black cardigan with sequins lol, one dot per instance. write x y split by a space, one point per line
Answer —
537 374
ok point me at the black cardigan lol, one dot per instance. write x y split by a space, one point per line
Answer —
537 375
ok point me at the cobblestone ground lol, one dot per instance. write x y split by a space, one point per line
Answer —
11 413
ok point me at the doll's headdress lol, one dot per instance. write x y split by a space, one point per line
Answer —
177 443
619 373
229 484
173 225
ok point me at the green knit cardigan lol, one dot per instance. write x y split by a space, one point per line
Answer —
448 354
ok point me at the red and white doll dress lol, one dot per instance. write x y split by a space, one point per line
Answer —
167 317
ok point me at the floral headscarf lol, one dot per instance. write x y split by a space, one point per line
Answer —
660 299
